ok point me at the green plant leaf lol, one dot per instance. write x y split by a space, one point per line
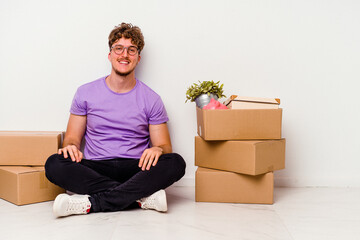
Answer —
204 87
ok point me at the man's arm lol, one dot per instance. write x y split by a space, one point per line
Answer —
73 136
161 143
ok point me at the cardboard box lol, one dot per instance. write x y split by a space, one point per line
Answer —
239 124
25 185
228 187
247 157
239 102
28 148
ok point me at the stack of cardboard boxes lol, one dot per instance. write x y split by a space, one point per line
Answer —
236 152
22 159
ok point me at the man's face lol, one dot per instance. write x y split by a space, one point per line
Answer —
123 64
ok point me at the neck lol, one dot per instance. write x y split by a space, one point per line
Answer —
121 84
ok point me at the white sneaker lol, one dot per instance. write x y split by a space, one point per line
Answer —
65 205
156 201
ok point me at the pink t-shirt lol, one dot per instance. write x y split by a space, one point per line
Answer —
117 123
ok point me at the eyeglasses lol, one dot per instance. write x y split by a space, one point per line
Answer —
119 49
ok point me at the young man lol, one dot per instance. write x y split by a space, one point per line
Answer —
127 157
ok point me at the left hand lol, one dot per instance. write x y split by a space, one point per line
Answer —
150 157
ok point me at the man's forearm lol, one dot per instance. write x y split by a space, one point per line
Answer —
71 141
166 148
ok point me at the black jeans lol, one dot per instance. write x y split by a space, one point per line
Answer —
114 184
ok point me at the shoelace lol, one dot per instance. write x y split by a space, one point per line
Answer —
77 206
148 202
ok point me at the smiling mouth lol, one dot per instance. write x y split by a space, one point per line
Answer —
124 61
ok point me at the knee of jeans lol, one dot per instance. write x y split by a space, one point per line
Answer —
178 164
50 164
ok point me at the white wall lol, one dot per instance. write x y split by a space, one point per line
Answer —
304 52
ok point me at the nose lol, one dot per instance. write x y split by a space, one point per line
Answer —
125 52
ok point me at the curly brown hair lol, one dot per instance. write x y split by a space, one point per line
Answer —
127 30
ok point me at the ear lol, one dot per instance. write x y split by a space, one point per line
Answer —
139 58
109 56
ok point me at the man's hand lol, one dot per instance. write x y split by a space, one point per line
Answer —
73 136
75 154
150 157
160 140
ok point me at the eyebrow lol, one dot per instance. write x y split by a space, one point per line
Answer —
119 45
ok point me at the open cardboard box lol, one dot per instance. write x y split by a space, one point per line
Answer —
239 124
24 185
28 147
247 157
228 187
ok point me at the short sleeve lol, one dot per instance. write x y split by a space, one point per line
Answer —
78 106
158 113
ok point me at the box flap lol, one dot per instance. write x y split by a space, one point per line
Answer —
231 98
21 169
252 99
30 133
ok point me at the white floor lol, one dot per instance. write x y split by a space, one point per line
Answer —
298 213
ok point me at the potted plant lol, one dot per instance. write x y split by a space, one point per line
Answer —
203 92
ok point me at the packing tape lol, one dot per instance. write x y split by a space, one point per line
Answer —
43 180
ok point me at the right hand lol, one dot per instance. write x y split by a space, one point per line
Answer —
75 154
